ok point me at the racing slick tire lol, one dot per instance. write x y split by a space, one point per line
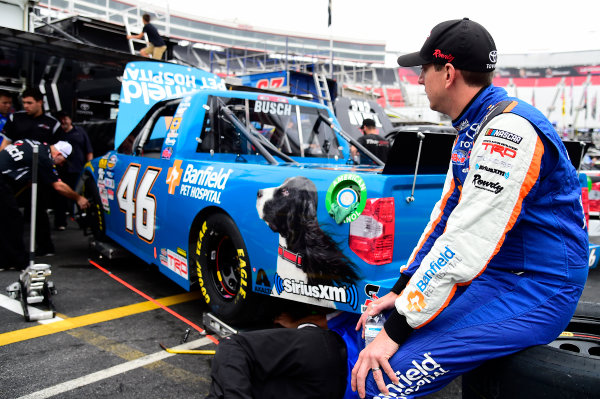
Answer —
222 269
568 367
92 219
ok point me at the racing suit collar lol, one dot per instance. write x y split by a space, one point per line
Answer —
478 107
460 117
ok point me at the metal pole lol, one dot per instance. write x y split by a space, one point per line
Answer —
34 173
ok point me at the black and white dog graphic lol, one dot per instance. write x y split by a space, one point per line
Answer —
307 255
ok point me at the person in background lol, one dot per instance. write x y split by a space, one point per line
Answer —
5 109
16 163
31 123
503 261
69 172
372 141
156 46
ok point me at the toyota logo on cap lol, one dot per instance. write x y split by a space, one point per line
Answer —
493 56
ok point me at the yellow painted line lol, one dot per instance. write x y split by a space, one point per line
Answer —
94 318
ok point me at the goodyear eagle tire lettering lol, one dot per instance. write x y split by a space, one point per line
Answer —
223 268
94 216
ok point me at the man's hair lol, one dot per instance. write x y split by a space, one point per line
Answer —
146 17
33 92
4 93
61 114
474 79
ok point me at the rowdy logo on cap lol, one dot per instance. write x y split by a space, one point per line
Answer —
461 42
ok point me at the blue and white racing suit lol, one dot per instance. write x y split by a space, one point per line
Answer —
504 258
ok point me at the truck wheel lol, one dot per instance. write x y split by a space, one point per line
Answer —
92 220
565 368
222 267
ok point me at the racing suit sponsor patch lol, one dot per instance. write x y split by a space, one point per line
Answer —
503 134
492 170
503 150
424 372
494 187
435 267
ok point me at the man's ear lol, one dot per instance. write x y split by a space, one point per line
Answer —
450 74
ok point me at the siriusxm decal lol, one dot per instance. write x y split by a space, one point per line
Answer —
342 294
492 170
146 82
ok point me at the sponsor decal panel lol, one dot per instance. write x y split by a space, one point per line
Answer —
274 108
203 184
341 294
346 198
371 291
177 263
262 284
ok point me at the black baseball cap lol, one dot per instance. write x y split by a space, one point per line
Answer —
368 122
461 42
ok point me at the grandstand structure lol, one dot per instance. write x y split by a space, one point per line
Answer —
564 86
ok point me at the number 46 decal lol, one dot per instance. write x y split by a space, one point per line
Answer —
140 205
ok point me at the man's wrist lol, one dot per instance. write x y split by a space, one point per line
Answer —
400 284
397 328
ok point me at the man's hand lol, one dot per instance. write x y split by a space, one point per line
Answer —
375 357
82 202
377 306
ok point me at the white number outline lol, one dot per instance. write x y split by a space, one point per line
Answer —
136 199
126 193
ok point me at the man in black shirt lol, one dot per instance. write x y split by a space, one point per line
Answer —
16 161
372 141
31 123
156 45
69 172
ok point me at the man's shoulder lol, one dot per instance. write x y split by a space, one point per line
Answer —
49 117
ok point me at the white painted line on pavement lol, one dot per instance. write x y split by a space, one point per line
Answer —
113 371
15 306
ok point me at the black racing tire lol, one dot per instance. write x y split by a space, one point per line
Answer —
568 367
92 220
222 269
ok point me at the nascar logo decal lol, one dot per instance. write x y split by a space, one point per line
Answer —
503 134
